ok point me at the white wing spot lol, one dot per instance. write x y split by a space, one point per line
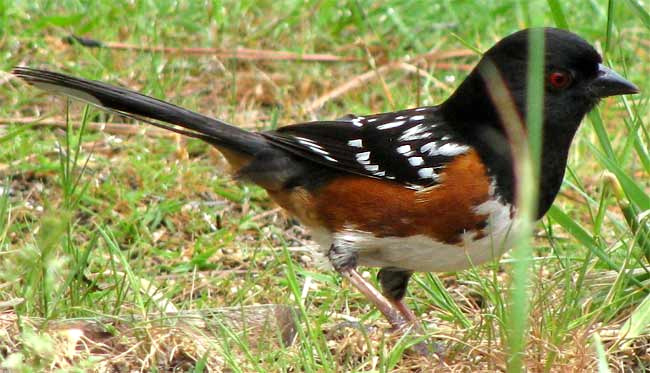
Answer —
416 118
391 125
403 149
327 157
427 173
318 150
400 117
358 121
416 161
308 142
451 149
362 156
429 147
371 167
421 109
380 173
372 120
415 133
447 150
358 143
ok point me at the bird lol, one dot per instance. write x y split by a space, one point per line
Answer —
424 189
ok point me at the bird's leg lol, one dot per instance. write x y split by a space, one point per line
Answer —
345 262
393 284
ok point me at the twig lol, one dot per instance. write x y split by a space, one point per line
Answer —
384 86
260 322
112 128
94 146
407 65
266 213
351 84
237 54
443 55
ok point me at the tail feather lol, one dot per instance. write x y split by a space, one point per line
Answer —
142 107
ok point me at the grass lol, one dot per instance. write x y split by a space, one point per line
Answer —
102 234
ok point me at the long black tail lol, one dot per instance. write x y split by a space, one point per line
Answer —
141 107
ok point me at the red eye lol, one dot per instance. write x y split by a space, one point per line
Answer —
559 79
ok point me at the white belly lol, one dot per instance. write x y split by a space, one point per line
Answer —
424 254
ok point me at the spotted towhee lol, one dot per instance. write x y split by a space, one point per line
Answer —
424 189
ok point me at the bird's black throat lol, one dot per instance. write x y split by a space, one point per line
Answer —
472 113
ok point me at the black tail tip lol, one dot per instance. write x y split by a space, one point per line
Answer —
22 72
31 75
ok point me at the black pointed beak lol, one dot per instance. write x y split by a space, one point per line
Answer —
609 83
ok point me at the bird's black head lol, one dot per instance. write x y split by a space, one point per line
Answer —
574 77
574 81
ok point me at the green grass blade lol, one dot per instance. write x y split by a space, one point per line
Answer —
633 190
601 133
527 199
637 323
579 233
558 14
603 366
571 226
610 24
441 298
640 12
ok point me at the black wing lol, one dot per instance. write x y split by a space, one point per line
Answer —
409 147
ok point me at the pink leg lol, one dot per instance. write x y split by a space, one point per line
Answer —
423 347
383 305
398 319
405 311
397 314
